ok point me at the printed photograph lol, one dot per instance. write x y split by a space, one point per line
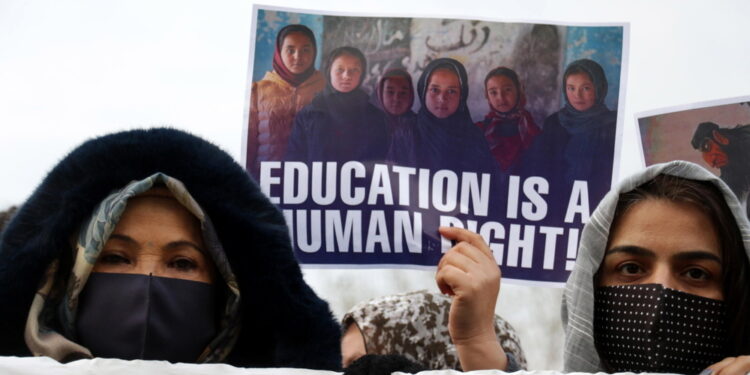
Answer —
371 132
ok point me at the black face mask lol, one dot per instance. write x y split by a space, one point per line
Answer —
131 316
649 328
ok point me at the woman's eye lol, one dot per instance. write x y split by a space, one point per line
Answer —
697 274
630 269
183 264
113 258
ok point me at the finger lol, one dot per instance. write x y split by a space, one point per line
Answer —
457 258
717 367
452 279
475 254
739 365
464 235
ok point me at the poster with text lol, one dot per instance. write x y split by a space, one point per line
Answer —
370 132
713 134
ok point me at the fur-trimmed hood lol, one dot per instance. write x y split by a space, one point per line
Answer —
284 324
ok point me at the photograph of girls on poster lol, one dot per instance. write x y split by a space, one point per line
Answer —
713 134
370 132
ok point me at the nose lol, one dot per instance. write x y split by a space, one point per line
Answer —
148 266
662 275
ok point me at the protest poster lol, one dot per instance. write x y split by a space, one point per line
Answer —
365 169
714 134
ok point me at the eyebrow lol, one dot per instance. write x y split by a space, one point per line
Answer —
170 246
176 244
632 250
682 256
697 255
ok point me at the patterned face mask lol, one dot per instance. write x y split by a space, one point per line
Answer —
649 328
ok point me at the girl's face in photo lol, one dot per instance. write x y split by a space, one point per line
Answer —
580 91
397 95
502 93
346 72
657 241
443 93
297 52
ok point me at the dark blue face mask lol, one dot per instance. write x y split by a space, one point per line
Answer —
132 316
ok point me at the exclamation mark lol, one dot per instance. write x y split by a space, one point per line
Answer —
572 249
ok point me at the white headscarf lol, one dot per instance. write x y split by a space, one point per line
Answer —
578 300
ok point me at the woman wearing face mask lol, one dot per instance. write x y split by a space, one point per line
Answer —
509 128
155 244
282 92
445 136
340 124
660 282
577 142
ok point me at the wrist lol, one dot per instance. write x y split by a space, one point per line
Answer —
481 353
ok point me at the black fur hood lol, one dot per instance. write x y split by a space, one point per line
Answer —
284 324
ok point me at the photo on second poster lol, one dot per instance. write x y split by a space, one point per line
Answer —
715 135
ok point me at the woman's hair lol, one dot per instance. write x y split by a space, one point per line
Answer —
350 51
709 199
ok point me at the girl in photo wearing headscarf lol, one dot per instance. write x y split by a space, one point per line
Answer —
445 136
155 244
509 128
396 96
577 142
340 124
282 92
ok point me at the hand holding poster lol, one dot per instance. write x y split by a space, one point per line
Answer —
509 131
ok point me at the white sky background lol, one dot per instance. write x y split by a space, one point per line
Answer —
72 70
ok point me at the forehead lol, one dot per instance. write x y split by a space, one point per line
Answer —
346 60
578 78
500 81
296 38
396 82
155 212
666 228
444 76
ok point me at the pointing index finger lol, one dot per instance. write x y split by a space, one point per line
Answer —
465 235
